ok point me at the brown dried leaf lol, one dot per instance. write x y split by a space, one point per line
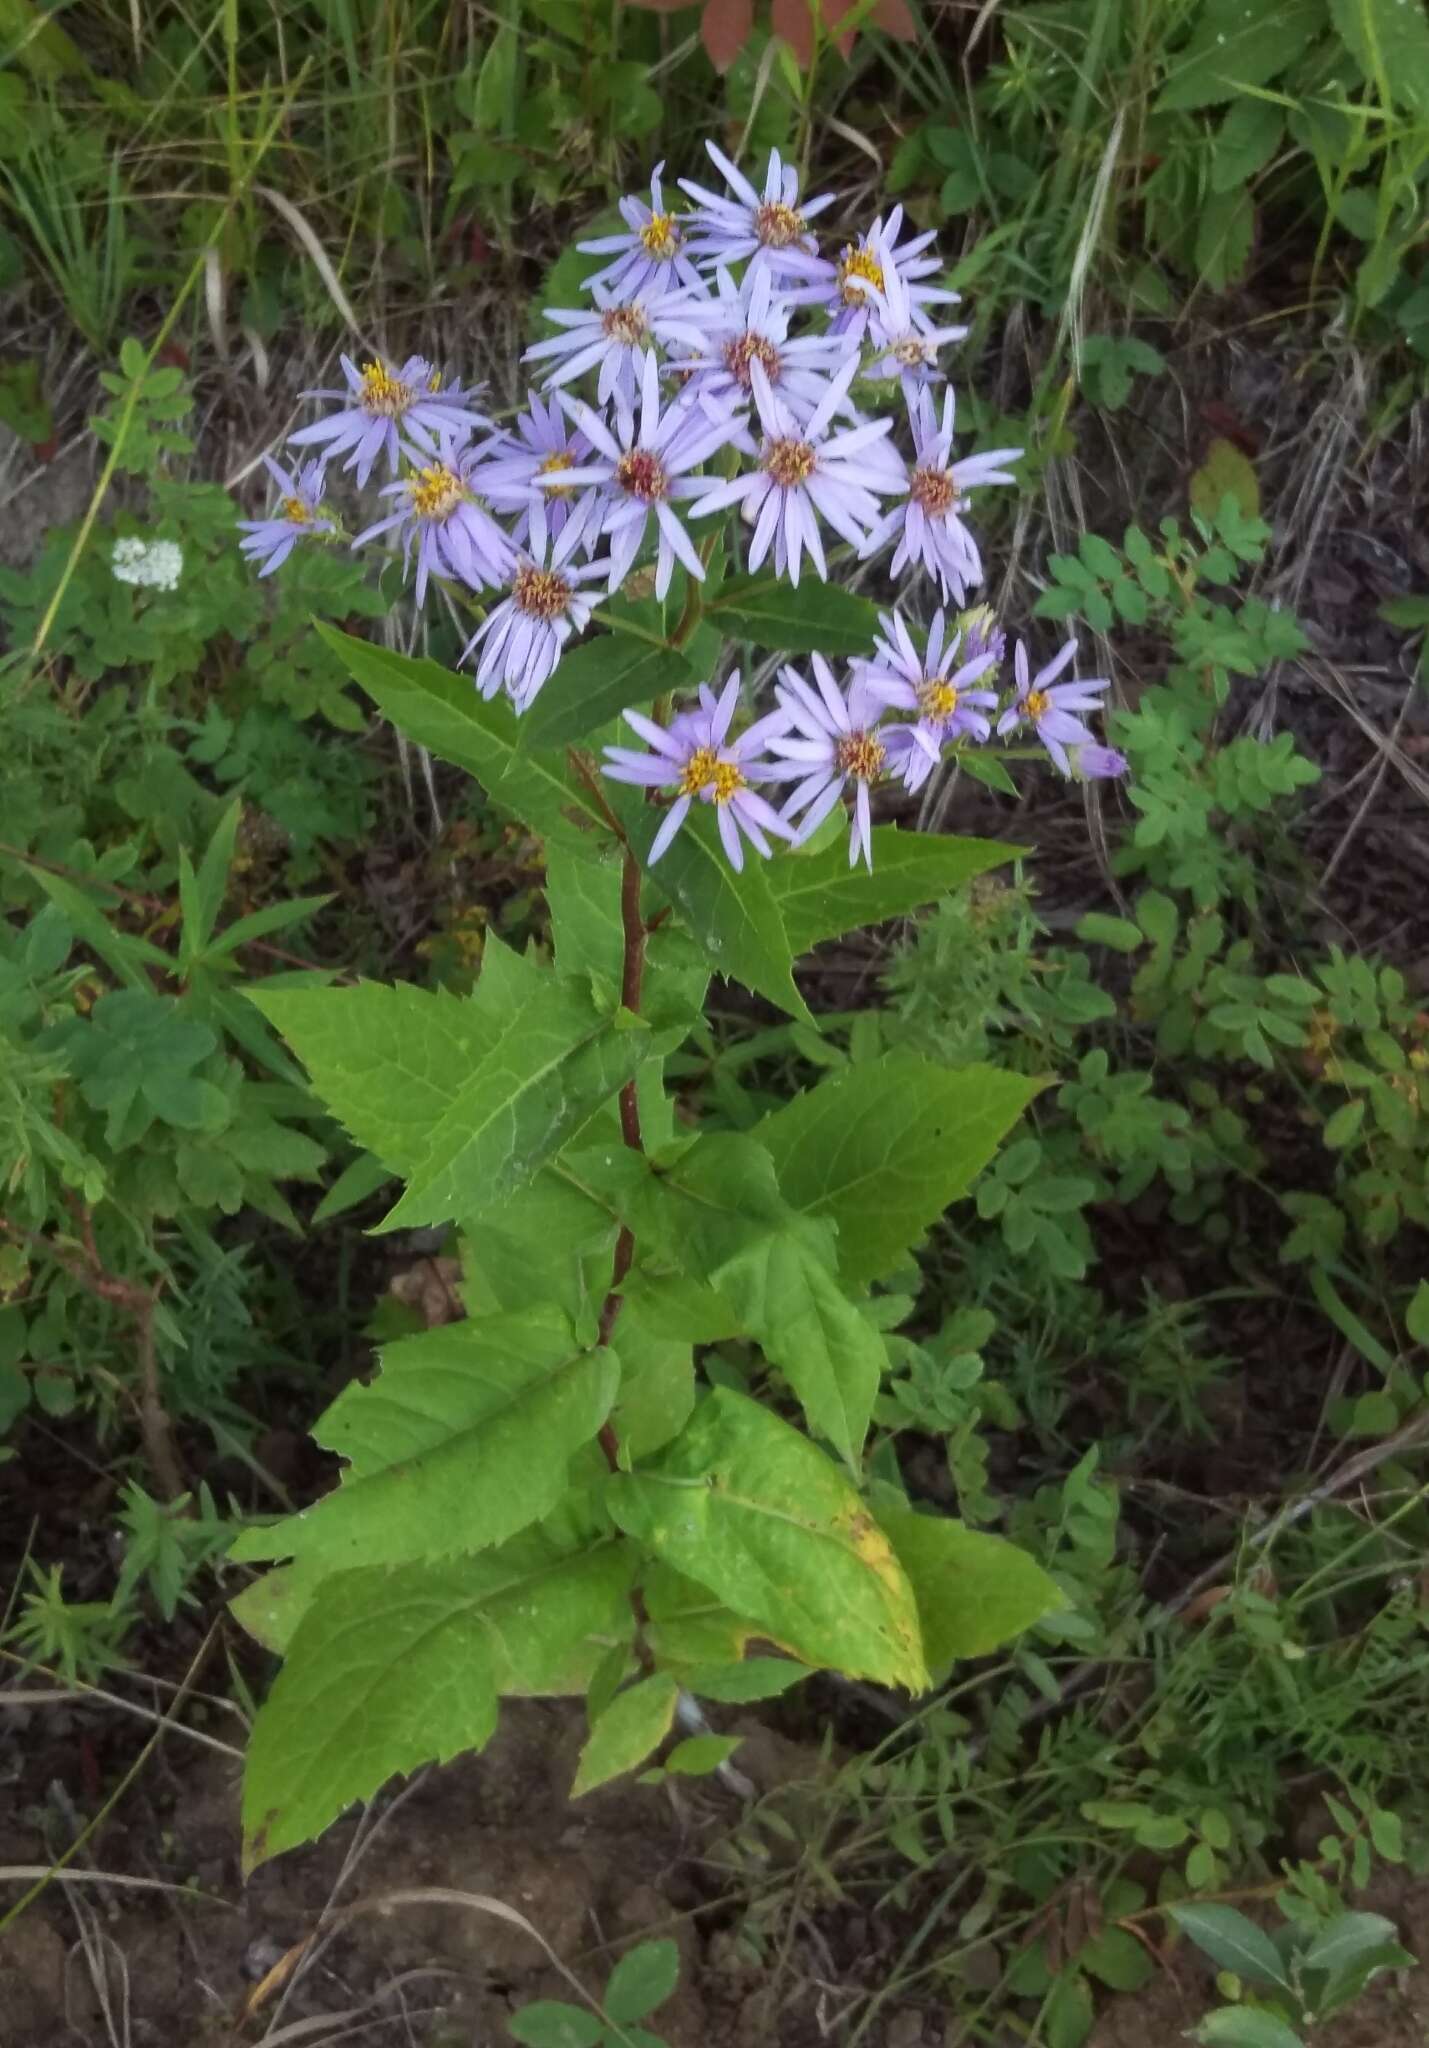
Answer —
430 1287
724 30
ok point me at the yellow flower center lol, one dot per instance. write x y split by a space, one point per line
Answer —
912 352
1036 704
559 459
295 510
750 348
642 475
541 593
705 771
625 323
859 754
778 226
382 393
937 701
660 236
933 489
435 491
789 463
857 268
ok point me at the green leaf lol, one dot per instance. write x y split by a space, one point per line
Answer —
699 1755
1390 44
549 2024
884 1147
636 1721
1343 1126
1234 46
595 682
1223 237
820 896
753 1678
461 1440
1117 933
748 1507
1232 1942
1116 1959
734 917
442 712
1245 2026
974 1591
1226 472
720 1217
642 1980
1348 1939
1416 1316
1248 137
467 1097
815 618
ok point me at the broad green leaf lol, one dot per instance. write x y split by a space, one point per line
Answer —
583 887
558 1057
636 1721
816 618
1232 1942
820 896
1416 1316
974 1591
1236 45
747 1506
644 1978
1248 137
734 917
883 1148
657 1383
546 1242
594 683
1245 2026
698 1755
719 1216
1226 472
1350 1938
461 1440
752 1678
391 1669
687 1627
1390 44
441 711
549 2024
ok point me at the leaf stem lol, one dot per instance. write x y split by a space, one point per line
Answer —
632 980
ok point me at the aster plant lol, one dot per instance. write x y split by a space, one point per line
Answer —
705 604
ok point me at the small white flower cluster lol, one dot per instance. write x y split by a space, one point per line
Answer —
152 564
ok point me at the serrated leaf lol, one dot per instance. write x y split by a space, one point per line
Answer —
1226 472
747 1506
1247 138
1232 1942
734 917
974 1591
442 712
636 1721
815 618
594 683
884 1147
460 1441
1390 44
1234 46
391 1669
819 896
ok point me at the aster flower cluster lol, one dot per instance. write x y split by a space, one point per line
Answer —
726 362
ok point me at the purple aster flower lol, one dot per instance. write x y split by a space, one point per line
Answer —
441 518
1048 705
273 539
750 321
381 405
1097 763
832 743
525 635
639 469
929 521
513 465
903 337
858 283
772 230
983 633
616 335
695 757
650 252
948 707
804 470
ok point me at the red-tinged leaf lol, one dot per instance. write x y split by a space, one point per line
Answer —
895 18
791 20
724 30
834 11
660 6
